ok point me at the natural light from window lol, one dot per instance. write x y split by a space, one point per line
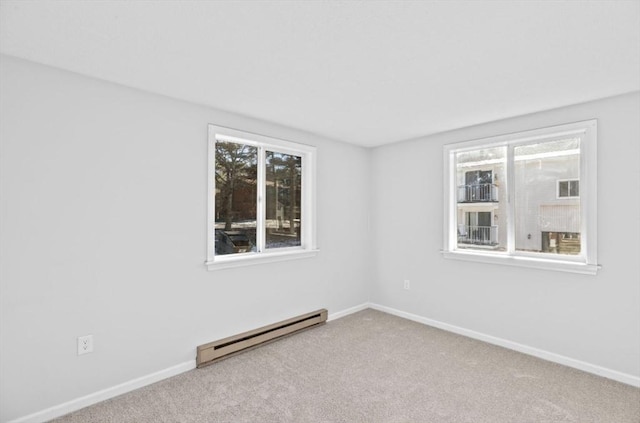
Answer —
527 199
261 199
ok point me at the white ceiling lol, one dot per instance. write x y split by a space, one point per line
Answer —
367 73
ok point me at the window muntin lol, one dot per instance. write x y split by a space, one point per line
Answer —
261 199
524 219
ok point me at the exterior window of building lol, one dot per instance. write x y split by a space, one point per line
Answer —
515 199
261 199
569 189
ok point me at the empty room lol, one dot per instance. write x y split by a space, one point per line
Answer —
319 211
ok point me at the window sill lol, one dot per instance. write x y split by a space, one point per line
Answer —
228 262
521 261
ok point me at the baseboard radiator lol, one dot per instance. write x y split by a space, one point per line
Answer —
227 347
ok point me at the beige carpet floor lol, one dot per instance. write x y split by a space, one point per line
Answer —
374 367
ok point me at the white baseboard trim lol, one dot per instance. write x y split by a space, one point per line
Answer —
123 388
343 313
105 394
545 355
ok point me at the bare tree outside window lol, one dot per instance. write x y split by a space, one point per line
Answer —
261 204
283 193
235 197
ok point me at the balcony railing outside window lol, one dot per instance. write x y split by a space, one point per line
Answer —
478 235
477 193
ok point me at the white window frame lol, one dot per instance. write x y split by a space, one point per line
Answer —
567 197
586 261
307 246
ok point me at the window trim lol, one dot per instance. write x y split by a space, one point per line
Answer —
586 261
308 247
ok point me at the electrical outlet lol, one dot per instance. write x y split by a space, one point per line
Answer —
407 284
85 344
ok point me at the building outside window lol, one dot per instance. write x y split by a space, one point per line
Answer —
516 198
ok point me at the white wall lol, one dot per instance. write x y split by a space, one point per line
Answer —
594 319
103 232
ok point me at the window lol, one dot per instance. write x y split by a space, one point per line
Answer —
515 199
261 199
569 189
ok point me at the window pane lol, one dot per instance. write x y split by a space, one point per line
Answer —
283 198
563 189
235 198
544 222
481 216
574 189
